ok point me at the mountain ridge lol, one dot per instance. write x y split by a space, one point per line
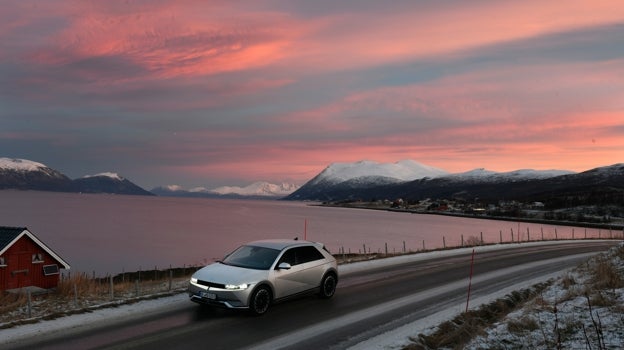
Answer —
559 187
256 190
23 174
363 180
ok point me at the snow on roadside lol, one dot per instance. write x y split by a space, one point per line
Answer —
576 312
89 320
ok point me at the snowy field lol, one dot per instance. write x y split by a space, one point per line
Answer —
497 338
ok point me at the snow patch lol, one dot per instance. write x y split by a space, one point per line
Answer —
405 170
199 189
258 189
173 188
20 164
482 174
113 176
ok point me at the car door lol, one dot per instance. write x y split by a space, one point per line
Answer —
288 281
312 266
305 272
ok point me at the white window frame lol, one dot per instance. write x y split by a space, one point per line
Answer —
37 258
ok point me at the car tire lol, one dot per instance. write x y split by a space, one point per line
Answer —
328 286
260 300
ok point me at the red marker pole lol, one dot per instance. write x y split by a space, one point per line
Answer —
470 281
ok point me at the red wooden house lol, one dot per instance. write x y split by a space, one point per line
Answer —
25 261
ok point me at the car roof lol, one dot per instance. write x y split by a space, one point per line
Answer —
281 244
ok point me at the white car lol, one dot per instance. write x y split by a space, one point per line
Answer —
263 272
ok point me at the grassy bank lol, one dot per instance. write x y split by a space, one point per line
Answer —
582 309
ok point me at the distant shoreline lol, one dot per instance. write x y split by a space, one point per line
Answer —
606 226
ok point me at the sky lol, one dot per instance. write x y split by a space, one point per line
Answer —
212 93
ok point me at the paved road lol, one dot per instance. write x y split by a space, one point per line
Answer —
367 303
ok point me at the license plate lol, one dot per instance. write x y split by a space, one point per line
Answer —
207 295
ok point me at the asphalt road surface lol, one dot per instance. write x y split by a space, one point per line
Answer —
367 303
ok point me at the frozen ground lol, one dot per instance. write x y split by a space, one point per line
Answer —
395 339
584 309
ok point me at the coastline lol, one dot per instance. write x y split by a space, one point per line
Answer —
605 226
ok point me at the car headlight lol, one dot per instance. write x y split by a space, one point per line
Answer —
193 280
242 286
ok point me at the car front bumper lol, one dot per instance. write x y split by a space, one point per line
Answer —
231 299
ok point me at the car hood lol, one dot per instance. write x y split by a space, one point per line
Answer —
228 274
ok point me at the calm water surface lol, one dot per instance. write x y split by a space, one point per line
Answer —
115 233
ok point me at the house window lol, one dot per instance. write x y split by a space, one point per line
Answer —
50 270
37 258
2 262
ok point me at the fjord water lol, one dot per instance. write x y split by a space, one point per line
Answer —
109 234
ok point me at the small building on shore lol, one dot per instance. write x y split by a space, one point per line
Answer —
25 261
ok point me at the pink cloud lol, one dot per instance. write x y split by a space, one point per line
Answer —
213 58
437 30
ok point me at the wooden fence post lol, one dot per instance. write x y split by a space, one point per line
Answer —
29 303
75 295
112 293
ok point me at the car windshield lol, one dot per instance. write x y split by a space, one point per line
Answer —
253 257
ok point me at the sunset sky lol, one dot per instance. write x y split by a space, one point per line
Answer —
212 93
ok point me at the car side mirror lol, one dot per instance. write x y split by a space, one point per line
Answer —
284 266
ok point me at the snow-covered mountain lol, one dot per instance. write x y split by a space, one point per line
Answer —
108 182
483 175
259 189
343 179
370 171
23 174
367 179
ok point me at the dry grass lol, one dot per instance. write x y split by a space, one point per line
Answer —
521 325
79 293
10 302
605 274
598 288
456 333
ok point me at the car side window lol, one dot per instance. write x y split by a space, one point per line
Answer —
289 257
307 254
300 255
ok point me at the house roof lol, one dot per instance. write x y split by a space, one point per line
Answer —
10 235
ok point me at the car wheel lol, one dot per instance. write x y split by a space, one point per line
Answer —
328 286
260 300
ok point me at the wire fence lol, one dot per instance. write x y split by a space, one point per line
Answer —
508 237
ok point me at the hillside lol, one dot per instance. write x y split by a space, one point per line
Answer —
599 186
22 174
